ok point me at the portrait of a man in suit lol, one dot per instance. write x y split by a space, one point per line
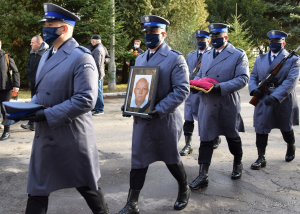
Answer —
141 90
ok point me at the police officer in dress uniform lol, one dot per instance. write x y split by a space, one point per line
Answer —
280 108
157 139
219 110
64 152
192 102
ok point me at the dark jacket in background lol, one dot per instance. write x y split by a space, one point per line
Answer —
33 63
99 53
5 81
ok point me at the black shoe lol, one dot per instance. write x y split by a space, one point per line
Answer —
96 113
237 171
202 179
217 142
29 125
5 135
187 149
184 193
131 206
259 163
290 153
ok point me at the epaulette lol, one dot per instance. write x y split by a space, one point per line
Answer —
240 49
84 49
176 52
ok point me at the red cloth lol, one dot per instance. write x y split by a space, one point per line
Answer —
203 84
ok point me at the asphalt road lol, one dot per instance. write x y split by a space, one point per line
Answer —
274 189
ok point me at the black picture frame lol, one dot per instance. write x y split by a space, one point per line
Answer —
139 101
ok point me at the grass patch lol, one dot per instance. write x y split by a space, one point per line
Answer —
26 94
119 88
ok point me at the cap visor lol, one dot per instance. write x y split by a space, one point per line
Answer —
151 28
216 34
275 39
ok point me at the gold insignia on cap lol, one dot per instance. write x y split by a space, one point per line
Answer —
147 19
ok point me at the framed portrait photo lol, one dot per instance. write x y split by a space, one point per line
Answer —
141 90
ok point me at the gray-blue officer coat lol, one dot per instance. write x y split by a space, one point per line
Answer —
157 140
64 152
284 114
192 102
220 114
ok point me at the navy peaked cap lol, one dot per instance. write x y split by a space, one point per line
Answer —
18 110
202 34
153 22
216 29
277 35
54 12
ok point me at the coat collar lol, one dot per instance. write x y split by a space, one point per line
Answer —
158 57
225 53
62 53
280 56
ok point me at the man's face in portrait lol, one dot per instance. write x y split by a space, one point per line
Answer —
140 91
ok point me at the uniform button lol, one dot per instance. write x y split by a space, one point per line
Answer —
218 76
37 136
47 93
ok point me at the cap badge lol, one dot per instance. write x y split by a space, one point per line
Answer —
147 19
198 31
273 33
211 26
45 9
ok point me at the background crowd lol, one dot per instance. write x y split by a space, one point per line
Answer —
249 20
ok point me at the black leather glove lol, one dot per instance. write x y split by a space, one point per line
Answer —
271 100
124 115
152 113
193 91
257 93
216 89
37 116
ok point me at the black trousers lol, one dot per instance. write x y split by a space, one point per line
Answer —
206 150
188 128
94 199
138 176
4 96
262 139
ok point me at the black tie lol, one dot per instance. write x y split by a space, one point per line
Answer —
273 58
217 53
150 55
199 56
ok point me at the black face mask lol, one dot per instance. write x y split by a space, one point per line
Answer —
275 47
152 40
201 45
217 43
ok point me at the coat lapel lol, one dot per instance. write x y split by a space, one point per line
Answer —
222 56
57 58
279 57
158 57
